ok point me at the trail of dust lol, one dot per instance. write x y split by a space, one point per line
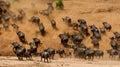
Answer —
64 62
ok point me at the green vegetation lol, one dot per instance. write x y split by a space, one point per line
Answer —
15 0
59 4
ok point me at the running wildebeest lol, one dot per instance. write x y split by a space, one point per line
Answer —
6 19
75 26
94 28
89 53
21 11
50 7
42 29
79 51
51 52
77 39
44 12
118 54
82 21
67 20
37 41
28 54
21 36
95 31
97 35
102 30
61 52
53 23
18 50
113 43
15 26
99 53
107 26
33 48
35 19
20 17
83 26
95 42
117 35
45 55
12 15
64 39
6 26
112 53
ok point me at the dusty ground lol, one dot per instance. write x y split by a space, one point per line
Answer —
93 11
64 62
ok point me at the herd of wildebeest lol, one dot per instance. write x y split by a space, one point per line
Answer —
79 49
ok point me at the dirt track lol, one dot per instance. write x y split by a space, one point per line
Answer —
65 62
93 11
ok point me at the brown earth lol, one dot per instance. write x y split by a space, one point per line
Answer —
64 62
93 11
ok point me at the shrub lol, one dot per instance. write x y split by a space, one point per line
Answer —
59 4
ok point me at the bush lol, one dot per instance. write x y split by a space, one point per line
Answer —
59 4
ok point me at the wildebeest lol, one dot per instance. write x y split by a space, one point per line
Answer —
37 41
15 44
113 43
42 29
82 21
95 42
53 23
61 52
50 7
20 17
67 20
33 48
102 30
94 28
51 52
12 15
118 54
44 12
28 54
117 35
35 19
64 39
107 26
15 26
79 51
89 53
95 31
112 53
6 26
83 26
18 50
21 36
6 19
75 26
99 53
77 39
45 55
97 35
21 11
